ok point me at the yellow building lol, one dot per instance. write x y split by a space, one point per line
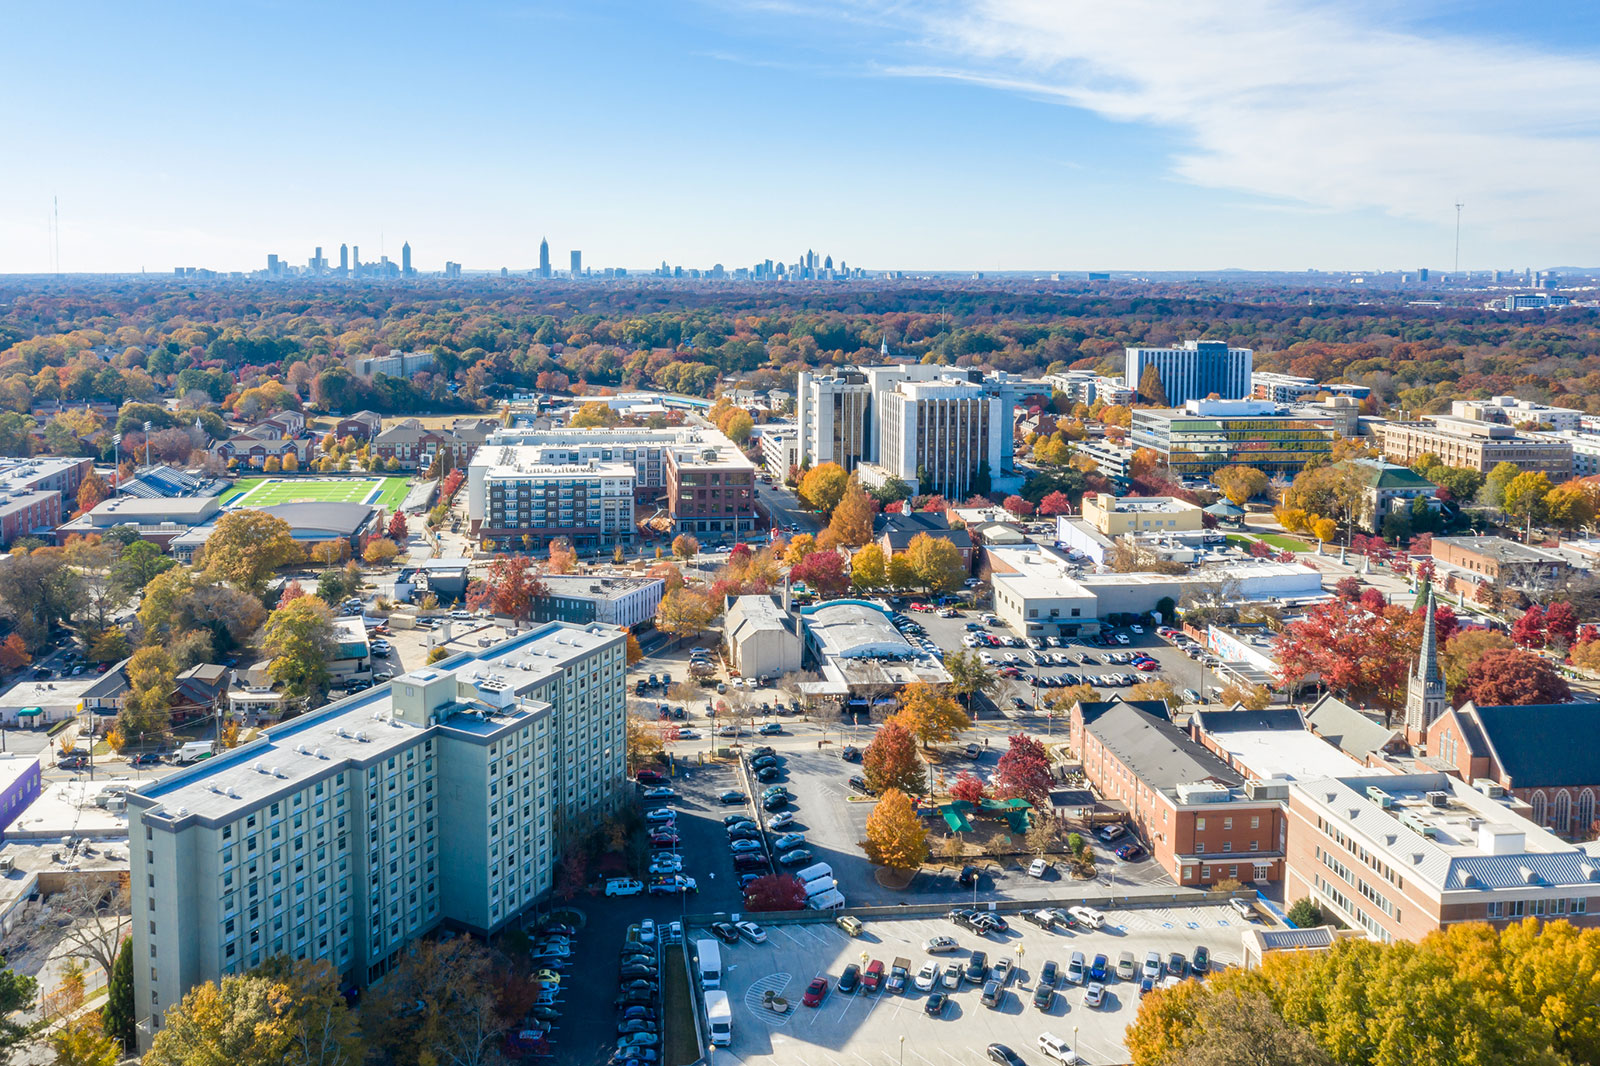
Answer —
1114 516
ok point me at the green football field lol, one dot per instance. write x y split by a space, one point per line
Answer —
385 492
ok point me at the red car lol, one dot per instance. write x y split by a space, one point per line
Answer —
1148 664
815 992
649 777
873 978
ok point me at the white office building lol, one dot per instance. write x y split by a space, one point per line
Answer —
439 799
1194 371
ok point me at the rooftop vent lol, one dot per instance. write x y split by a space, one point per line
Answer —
1529 875
258 767
233 793
276 772
362 737
318 753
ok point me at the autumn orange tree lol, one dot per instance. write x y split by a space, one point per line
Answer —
823 487
895 835
929 715
852 515
891 761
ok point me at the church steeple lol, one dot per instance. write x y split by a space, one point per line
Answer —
1425 689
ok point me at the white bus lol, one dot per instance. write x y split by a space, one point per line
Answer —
720 1017
710 963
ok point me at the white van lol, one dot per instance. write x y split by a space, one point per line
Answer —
193 751
831 900
1056 1048
624 886
812 872
1090 917
719 1015
710 963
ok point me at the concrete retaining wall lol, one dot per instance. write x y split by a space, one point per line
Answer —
1006 906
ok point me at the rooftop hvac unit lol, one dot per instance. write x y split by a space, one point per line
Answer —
1492 789
1380 797
1438 799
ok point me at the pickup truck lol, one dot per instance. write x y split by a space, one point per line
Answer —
899 973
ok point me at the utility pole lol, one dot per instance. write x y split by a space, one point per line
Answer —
1456 273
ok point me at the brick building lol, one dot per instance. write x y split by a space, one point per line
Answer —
1203 822
28 513
1529 753
1400 856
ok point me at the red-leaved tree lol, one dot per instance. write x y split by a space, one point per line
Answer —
1507 677
1348 588
969 786
397 527
1024 772
891 761
510 589
823 571
1358 651
775 892
1018 506
1561 624
1055 503
1529 630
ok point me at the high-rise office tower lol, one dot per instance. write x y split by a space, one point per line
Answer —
317 263
405 259
1194 371
272 265
344 259
577 262
827 264
355 259
544 258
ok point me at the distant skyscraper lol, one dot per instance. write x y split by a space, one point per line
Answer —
544 258
272 265
344 259
577 262
317 265
355 259
827 264
405 259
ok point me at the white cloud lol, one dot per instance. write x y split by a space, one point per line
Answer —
1333 106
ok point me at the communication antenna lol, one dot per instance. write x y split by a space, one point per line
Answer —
1457 271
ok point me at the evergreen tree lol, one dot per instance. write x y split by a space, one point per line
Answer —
117 1019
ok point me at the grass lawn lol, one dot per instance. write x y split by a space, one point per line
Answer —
1283 543
677 1010
385 492
1237 541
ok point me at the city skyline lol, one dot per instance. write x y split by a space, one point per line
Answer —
996 136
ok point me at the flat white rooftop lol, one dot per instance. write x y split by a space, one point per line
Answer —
357 729
1289 753
1038 573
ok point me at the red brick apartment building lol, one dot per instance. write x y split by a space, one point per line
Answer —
1203 822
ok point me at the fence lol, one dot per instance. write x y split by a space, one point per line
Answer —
1007 906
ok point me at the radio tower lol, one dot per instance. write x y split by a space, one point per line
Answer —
1457 271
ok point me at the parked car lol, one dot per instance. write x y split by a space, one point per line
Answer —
941 945
1094 995
741 844
781 820
850 753
795 857
1130 852
850 979
816 991
977 968
751 932
1201 962
725 932
730 796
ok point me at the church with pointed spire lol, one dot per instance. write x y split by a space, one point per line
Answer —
1425 690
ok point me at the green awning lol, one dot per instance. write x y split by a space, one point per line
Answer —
30 712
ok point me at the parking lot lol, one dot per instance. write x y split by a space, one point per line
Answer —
1176 668
833 818
867 1029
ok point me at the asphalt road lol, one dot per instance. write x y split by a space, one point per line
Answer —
783 507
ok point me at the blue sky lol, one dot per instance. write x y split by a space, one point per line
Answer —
935 134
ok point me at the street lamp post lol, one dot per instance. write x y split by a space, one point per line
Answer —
902 1049
1074 1043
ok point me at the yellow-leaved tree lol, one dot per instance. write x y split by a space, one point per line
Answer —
895 835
